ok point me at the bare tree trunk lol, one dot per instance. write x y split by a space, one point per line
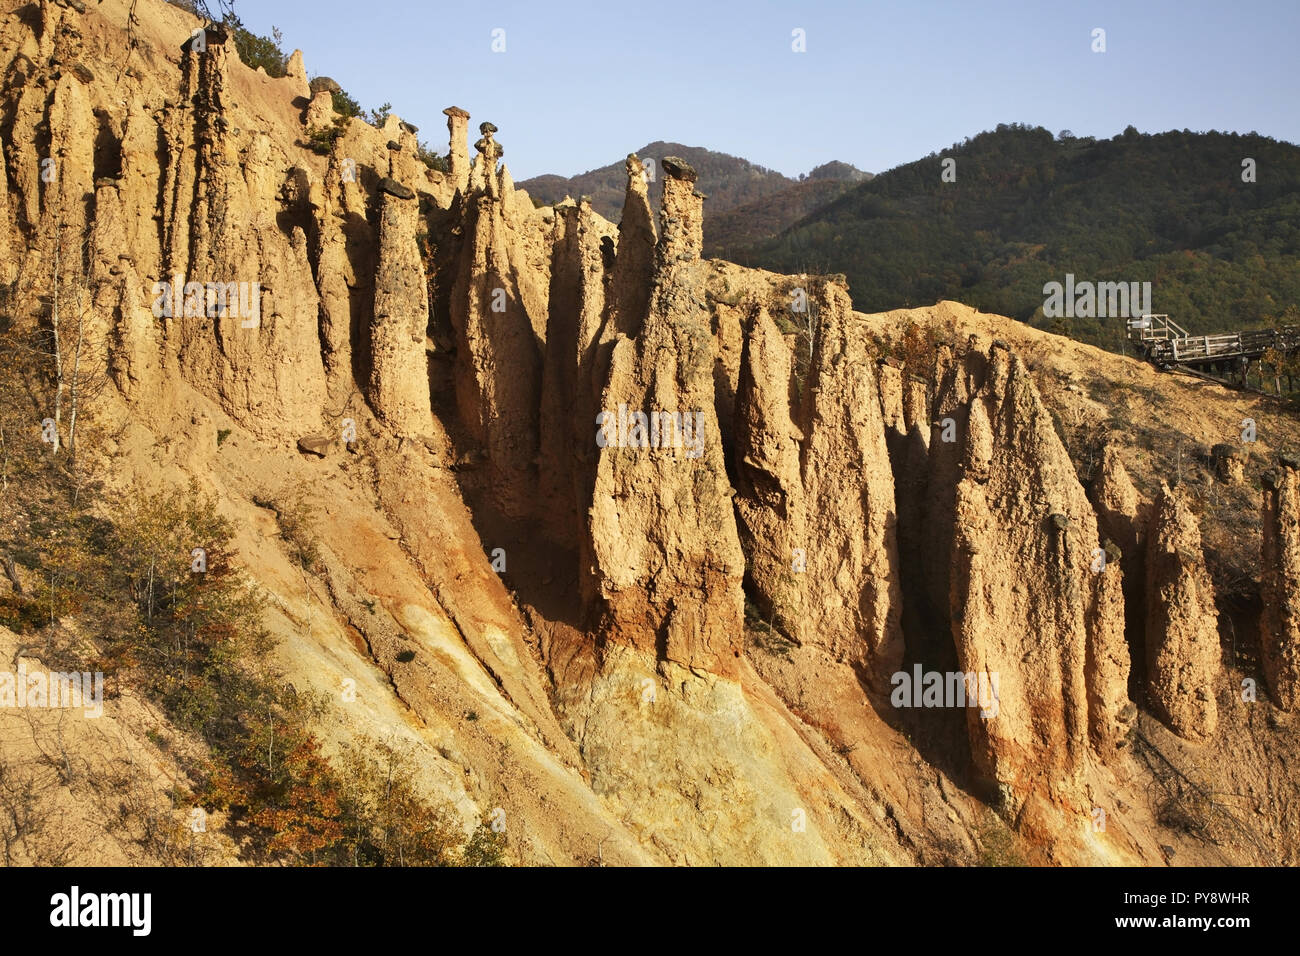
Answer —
58 348
76 378
11 572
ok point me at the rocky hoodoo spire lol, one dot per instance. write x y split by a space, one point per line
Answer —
575 308
1057 646
458 128
949 405
816 494
1121 514
399 382
345 246
483 174
664 548
66 202
682 214
488 148
333 273
107 239
48 111
1122 517
261 358
320 109
296 73
403 166
1280 587
499 315
904 401
50 135
200 129
1184 662
620 290
139 179
633 273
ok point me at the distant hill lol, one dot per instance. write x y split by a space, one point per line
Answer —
728 231
1027 207
728 181
771 200
840 172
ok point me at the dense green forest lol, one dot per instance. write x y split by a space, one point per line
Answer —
728 230
1027 207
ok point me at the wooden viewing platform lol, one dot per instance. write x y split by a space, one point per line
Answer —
1225 355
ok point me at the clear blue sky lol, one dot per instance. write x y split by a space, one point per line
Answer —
582 83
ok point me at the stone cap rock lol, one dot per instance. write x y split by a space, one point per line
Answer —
409 127
394 188
1224 450
324 83
678 168
456 111
1289 460
394 145
212 35
489 147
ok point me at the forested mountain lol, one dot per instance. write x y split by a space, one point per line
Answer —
1026 208
728 181
729 230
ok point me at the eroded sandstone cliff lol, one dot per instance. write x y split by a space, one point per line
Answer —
1182 636
1280 622
629 545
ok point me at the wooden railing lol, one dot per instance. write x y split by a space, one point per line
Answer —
1165 342
1155 328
